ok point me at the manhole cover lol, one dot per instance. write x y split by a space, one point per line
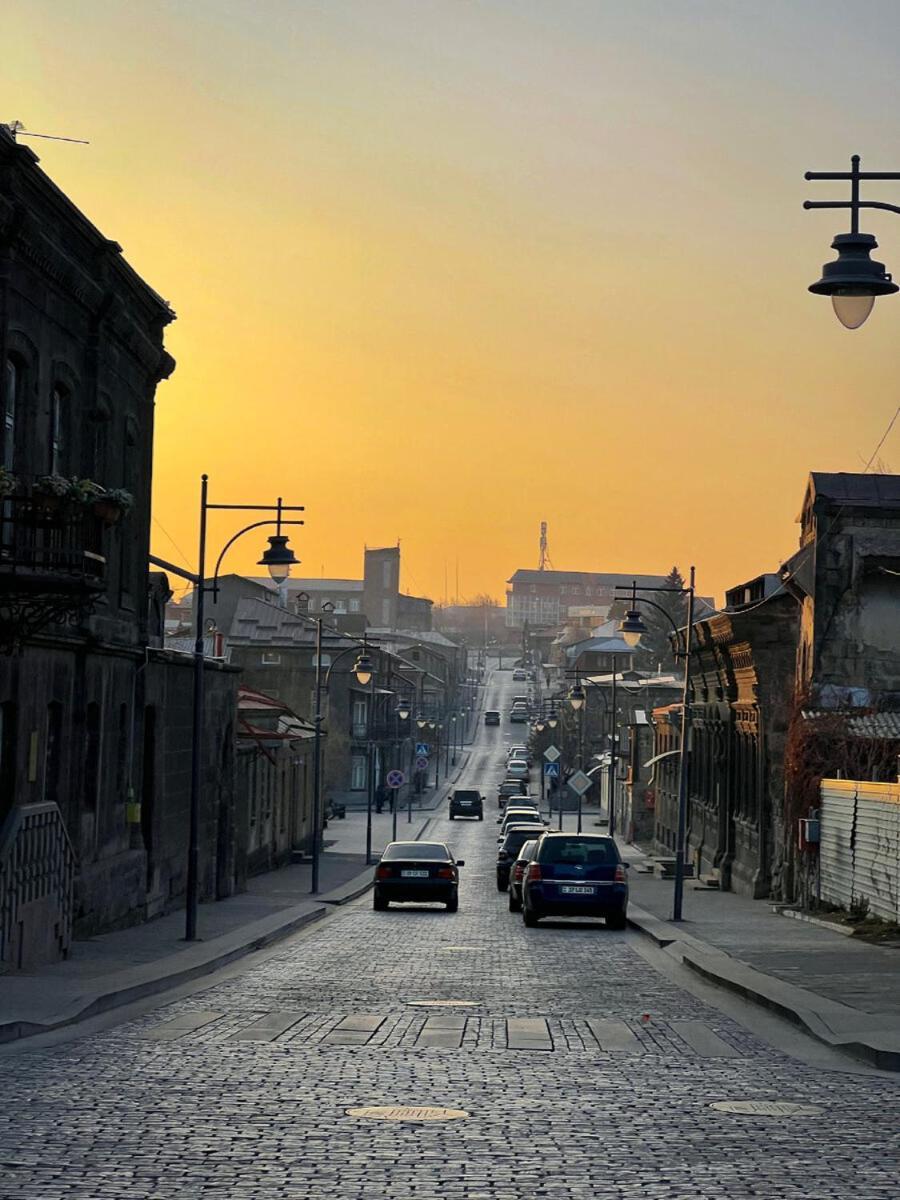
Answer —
402 1112
457 949
767 1108
444 1003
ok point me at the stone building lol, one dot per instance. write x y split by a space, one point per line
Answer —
95 716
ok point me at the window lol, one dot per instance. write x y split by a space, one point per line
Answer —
13 382
52 752
358 773
92 756
386 574
360 715
58 402
270 659
354 606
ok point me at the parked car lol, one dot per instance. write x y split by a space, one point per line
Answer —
491 716
510 789
417 871
516 814
508 850
576 875
520 751
517 769
517 874
519 674
466 803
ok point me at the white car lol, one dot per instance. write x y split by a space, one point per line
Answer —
517 769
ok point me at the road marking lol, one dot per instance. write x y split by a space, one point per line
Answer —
384 1112
190 1022
268 1028
702 1039
613 1036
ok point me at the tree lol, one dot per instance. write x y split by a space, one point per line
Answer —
656 644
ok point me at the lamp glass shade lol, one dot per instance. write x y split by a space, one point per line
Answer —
539 727
630 638
632 628
553 722
852 310
278 558
403 711
362 669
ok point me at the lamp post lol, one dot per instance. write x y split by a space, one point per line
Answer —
279 559
403 709
631 628
577 700
327 607
853 280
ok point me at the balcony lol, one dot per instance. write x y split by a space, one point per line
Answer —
52 567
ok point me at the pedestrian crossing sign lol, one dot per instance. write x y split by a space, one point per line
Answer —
551 770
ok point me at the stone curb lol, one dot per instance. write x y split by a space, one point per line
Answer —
837 1025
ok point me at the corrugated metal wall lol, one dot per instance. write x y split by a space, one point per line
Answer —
859 852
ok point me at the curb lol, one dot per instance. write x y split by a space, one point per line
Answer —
836 1025
141 988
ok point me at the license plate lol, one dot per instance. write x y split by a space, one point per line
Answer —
576 890
416 875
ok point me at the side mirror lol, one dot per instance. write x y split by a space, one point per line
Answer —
627 866
460 862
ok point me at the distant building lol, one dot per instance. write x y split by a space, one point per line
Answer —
542 598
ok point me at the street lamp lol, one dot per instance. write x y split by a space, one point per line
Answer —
632 628
576 697
279 558
853 280
684 757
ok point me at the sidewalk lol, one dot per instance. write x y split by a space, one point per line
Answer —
118 968
844 992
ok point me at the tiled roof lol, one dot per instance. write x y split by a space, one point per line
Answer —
856 488
602 579
861 725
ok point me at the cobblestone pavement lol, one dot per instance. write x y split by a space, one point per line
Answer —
584 1073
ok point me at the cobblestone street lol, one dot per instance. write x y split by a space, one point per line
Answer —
583 1070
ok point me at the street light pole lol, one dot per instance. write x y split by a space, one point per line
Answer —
613 752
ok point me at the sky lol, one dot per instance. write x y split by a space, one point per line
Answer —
444 269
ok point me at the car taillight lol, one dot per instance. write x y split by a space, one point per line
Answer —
518 870
445 873
383 873
534 873
620 874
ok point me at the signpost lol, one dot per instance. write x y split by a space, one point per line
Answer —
422 763
551 754
394 780
579 783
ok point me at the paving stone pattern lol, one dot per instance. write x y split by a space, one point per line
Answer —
585 1074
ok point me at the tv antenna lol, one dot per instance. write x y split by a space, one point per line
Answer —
545 549
17 129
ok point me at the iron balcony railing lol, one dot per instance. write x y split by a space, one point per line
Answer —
48 542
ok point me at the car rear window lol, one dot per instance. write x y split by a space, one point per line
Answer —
517 838
429 851
589 852
465 795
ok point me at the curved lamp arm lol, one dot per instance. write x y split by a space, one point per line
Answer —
256 525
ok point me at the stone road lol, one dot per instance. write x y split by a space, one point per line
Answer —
583 1070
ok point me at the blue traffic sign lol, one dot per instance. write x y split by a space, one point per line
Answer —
421 749
551 770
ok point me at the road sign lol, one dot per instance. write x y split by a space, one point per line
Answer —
579 783
422 763
421 749
551 770
395 779
551 754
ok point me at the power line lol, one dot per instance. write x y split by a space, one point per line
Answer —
884 437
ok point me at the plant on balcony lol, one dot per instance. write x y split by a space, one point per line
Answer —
84 491
110 506
52 494
8 482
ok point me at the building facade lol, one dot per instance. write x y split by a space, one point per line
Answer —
542 598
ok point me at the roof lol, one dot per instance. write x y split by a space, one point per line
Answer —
603 579
600 645
314 585
860 725
257 622
856 488
429 637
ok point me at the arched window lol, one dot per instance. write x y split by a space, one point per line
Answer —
59 403
13 385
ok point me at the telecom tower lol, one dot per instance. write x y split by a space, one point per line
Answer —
545 562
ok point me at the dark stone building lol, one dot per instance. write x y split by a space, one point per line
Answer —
96 722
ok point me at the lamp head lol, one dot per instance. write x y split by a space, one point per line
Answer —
363 668
854 280
279 558
576 697
632 627
403 710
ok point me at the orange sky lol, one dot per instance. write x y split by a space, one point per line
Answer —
443 270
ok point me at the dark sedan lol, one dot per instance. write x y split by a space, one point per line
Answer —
423 871
508 850
576 875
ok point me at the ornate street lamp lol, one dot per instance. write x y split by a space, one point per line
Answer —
278 558
576 697
632 628
853 280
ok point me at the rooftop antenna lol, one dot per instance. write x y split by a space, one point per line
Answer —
17 129
545 562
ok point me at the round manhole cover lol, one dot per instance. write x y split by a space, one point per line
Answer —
767 1108
444 1003
405 1112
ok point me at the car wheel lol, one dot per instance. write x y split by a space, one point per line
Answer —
617 921
451 816
514 904
501 886
453 905
481 816
530 917
379 903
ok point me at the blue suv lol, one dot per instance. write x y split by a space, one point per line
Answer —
576 875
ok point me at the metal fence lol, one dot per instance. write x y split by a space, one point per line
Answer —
37 872
859 852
